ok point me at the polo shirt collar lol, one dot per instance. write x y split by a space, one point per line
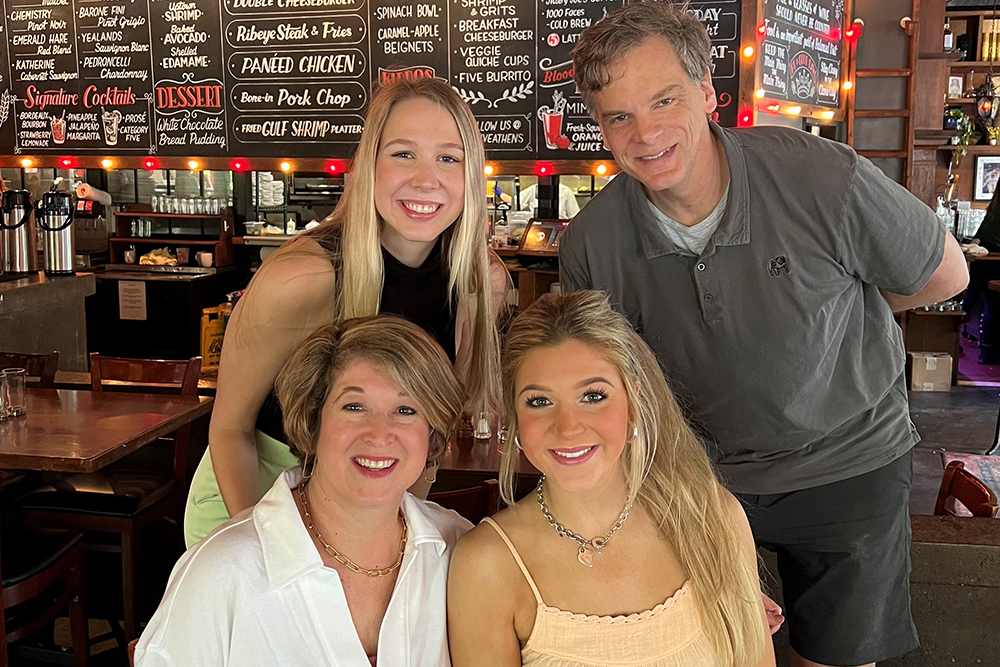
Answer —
734 229
287 547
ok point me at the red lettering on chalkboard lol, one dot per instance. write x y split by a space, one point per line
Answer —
112 96
557 76
185 97
409 73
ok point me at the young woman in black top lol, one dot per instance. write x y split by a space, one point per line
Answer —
408 238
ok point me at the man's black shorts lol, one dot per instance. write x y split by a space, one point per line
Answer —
844 561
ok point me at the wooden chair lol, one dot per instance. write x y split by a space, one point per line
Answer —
960 485
41 573
474 504
131 652
129 495
42 366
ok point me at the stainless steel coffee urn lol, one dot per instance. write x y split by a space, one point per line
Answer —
55 218
18 243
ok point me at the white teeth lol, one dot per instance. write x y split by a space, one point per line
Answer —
374 465
654 157
420 208
572 455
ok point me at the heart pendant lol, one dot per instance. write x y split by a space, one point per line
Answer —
585 557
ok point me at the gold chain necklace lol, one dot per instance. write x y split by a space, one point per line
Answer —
341 558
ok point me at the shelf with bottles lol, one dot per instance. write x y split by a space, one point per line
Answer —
974 32
137 226
139 221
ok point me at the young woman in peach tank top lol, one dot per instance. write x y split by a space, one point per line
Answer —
629 552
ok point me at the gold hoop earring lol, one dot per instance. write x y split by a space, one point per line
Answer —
305 463
430 466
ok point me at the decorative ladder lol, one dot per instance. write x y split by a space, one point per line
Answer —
857 76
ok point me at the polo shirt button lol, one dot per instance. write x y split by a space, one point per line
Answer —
708 297
701 266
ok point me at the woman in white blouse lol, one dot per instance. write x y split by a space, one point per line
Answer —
337 564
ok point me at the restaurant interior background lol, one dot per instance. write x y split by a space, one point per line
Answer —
214 146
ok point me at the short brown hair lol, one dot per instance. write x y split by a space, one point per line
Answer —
608 41
407 353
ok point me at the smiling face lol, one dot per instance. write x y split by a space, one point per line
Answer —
653 116
572 414
373 439
419 173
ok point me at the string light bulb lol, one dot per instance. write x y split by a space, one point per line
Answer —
794 111
759 93
27 162
601 169
773 108
194 165
107 163
848 85
748 51
285 166
827 115
238 165
488 170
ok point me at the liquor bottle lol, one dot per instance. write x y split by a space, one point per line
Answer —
949 38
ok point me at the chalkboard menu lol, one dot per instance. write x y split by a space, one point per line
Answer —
801 54
278 78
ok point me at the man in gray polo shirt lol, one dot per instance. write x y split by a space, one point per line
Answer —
763 266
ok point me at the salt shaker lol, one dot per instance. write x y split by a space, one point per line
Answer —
482 431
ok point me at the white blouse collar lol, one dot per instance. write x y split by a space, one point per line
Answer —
288 549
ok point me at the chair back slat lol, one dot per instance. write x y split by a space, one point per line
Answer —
960 485
42 366
183 373
474 504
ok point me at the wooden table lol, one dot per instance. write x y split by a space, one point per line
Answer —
82 431
468 455
467 463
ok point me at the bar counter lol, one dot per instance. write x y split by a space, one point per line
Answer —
42 313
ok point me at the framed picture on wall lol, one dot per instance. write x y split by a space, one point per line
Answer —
987 175
954 87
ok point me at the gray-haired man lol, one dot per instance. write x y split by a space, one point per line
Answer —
762 266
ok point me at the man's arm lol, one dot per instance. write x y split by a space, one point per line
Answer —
950 278
893 241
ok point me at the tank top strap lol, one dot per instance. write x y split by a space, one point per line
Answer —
517 558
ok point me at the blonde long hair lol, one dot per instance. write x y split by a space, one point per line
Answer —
665 465
350 235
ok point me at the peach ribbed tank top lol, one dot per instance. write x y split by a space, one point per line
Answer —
668 635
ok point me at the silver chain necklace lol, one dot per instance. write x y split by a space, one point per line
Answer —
587 547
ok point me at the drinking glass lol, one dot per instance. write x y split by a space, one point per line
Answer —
13 390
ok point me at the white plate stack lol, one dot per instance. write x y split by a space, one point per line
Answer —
272 191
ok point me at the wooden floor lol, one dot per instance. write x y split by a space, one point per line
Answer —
962 420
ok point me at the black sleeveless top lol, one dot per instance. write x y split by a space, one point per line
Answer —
419 295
